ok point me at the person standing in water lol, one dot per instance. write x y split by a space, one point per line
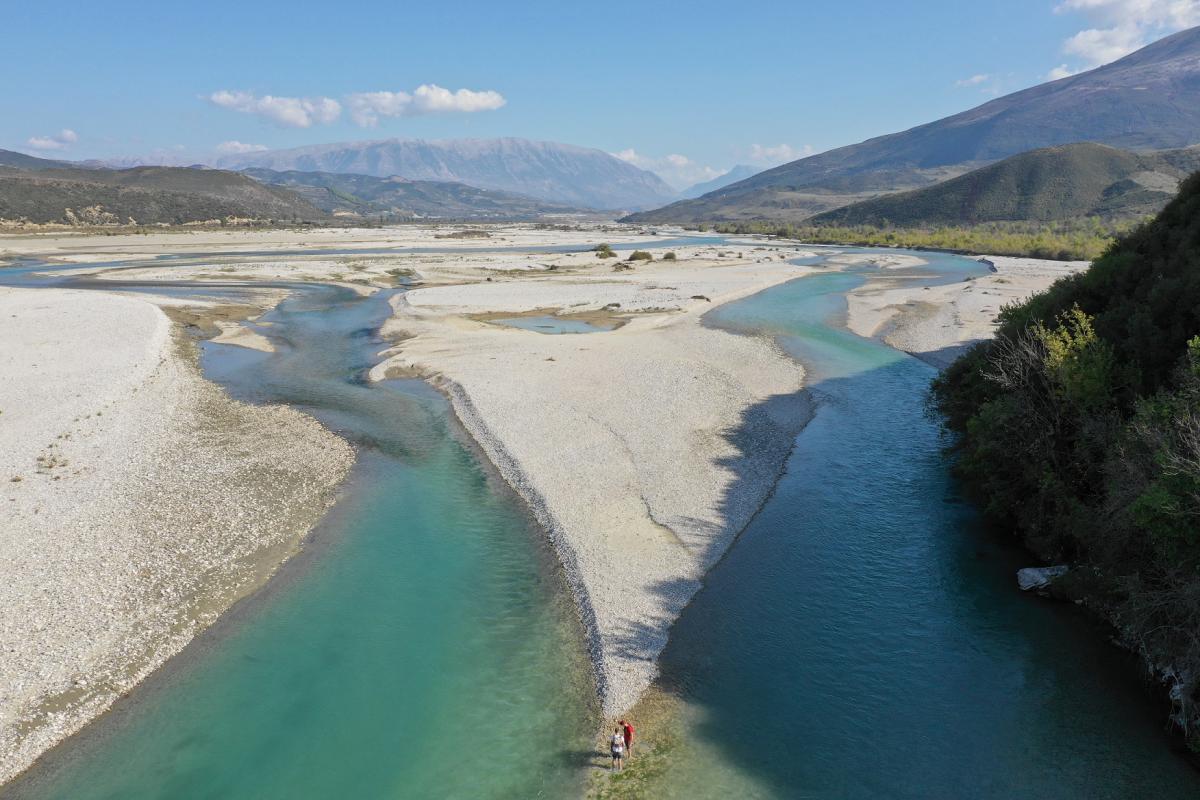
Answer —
618 749
627 732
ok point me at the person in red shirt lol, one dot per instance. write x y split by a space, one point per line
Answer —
627 730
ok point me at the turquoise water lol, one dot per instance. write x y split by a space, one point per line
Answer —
864 637
548 323
423 645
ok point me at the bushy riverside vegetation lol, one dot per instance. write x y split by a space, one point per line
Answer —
1083 239
1079 427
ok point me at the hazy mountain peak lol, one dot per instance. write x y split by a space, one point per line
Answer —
550 171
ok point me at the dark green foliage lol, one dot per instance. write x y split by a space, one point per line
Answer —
640 255
604 251
669 256
1079 427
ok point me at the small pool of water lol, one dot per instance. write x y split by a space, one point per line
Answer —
548 323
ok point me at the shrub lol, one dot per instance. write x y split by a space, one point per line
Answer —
669 256
640 255
604 251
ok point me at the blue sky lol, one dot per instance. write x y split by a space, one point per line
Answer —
687 89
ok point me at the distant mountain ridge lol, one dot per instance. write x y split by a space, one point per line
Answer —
1055 183
733 175
45 191
1149 99
364 195
556 173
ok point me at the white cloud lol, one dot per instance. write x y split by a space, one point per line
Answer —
1118 27
974 80
677 170
367 107
291 112
59 141
1061 71
779 153
237 147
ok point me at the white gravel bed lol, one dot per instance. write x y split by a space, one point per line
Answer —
139 501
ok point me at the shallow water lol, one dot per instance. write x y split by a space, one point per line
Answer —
548 323
864 637
422 646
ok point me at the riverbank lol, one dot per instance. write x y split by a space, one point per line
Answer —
643 450
140 500
938 323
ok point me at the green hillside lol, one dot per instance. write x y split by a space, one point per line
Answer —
46 192
1079 429
1051 184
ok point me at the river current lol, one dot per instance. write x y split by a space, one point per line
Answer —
863 638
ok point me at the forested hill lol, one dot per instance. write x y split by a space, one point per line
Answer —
1079 428
1055 183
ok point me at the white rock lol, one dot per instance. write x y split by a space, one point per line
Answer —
1039 577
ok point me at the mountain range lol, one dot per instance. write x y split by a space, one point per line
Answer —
556 173
396 197
735 174
1149 99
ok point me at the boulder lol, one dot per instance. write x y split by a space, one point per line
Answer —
1032 578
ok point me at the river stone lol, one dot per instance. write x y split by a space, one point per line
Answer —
1039 577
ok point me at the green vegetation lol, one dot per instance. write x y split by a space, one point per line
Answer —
604 251
46 193
1069 182
1075 239
640 255
669 255
1079 427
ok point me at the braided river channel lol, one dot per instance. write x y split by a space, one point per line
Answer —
863 637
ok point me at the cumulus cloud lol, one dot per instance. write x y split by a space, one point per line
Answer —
1061 71
779 153
974 80
1118 27
676 169
366 108
290 112
59 141
235 147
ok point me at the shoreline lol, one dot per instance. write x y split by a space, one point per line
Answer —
144 558
623 665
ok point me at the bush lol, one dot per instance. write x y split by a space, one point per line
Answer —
604 251
640 255
669 256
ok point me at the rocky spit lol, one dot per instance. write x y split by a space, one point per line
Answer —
643 451
139 502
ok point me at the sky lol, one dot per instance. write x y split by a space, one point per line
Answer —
684 89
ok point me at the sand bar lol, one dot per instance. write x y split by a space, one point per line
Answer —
939 323
642 450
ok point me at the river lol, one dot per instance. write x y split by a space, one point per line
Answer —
863 638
